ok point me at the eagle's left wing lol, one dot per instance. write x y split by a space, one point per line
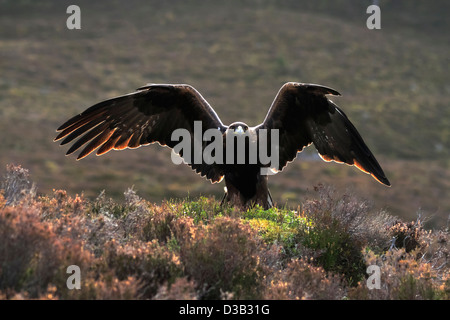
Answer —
303 115
146 116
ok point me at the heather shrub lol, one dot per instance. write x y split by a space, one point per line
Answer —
138 211
107 287
301 279
403 277
435 249
221 257
149 262
32 254
16 185
416 266
335 252
108 207
407 235
77 218
182 289
338 229
2 200
23 245
158 224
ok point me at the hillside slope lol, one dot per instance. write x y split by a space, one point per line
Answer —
394 83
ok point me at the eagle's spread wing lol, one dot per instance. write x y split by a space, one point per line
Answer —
303 115
140 118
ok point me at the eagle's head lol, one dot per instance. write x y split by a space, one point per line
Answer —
237 128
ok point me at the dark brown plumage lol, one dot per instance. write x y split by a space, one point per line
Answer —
301 113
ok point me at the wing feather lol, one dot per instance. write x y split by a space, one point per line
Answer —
96 142
87 137
108 145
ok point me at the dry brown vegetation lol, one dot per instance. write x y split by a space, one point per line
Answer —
195 249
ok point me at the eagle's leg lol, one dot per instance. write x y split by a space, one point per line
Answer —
224 198
266 205
269 200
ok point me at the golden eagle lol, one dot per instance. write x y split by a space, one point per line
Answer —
301 114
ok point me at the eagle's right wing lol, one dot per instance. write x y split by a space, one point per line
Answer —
303 115
146 116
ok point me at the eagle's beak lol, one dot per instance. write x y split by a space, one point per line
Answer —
239 130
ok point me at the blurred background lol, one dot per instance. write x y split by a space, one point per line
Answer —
394 83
